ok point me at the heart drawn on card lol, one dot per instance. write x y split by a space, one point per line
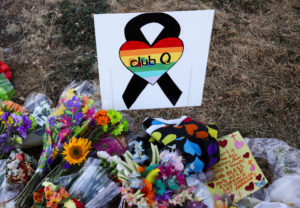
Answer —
250 187
252 168
239 144
246 155
211 185
258 177
151 62
223 143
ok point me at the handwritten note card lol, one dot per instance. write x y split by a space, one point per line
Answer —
237 171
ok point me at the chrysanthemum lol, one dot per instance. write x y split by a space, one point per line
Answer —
101 118
114 116
76 150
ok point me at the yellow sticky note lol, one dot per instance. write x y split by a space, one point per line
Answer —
237 171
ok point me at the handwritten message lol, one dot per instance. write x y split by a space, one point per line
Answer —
237 171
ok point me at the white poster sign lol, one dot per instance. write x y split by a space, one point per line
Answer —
152 60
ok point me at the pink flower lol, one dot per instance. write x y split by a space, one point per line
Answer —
65 121
63 193
181 179
90 113
63 133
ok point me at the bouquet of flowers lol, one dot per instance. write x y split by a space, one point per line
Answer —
20 167
53 196
71 131
14 127
159 182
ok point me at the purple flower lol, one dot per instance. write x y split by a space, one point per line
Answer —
78 117
195 204
52 121
66 166
17 119
3 138
75 102
26 125
167 195
5 116
6 148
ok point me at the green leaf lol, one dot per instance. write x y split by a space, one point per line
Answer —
68 112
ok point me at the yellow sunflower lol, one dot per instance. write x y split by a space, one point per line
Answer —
76 150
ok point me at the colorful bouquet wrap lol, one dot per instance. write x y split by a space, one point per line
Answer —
155 182
72 132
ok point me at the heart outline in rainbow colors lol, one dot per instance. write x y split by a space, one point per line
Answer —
151 73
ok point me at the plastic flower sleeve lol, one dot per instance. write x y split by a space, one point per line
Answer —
283 158
7 192
285 189
39 105
82 88
93 186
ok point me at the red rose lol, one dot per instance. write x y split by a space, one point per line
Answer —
4 68
41 190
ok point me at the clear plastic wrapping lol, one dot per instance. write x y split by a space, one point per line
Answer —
7 192
82 88
283 158
285 189
39 105
93 186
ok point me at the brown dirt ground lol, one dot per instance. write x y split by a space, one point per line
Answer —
252 80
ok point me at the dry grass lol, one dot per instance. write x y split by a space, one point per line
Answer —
252 80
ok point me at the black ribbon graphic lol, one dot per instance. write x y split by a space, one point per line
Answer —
133 32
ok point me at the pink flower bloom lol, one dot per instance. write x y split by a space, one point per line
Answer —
63 133
181 179
65 121
73 110
63 193
90 113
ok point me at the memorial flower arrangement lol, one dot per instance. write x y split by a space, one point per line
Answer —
72 130
20 167
14 128
53 196
155 182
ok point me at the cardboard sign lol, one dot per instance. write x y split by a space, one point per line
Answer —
237 171
152 60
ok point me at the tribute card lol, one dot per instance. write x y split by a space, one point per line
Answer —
237 171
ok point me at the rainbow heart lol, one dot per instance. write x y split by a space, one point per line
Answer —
151 62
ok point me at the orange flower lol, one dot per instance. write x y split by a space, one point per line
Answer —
54 200
48 192
63 193
141 169
147 190
101 118
37 197
86 99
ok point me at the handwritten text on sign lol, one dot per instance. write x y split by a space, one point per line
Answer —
237 172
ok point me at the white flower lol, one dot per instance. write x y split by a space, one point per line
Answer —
70 204
103 154
120 167
47 183
116 158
